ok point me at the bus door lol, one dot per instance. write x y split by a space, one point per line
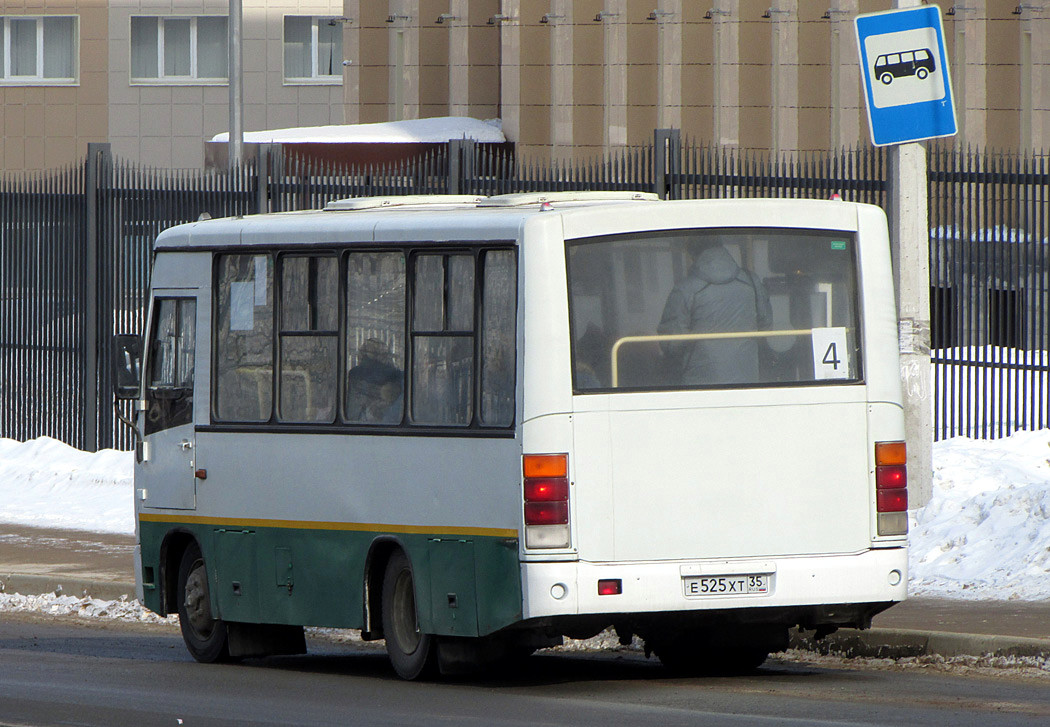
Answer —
167 472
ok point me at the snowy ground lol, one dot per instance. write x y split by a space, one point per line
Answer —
984 535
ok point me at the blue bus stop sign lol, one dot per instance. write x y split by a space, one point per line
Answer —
906 82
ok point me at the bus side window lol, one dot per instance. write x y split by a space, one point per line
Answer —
443 339
169 393
375 337
309 338
498 312
244 338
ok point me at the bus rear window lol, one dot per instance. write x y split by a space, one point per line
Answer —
706 308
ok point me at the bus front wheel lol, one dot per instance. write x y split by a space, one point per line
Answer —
205 636
412 653
886 78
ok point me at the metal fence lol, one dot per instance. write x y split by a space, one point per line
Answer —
989 293
75 250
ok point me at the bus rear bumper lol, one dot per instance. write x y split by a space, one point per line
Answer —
552 589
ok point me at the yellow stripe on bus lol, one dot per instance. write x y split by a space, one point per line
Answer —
318 525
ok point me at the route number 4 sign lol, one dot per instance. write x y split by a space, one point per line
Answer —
830 354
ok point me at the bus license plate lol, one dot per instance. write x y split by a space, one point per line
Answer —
740 585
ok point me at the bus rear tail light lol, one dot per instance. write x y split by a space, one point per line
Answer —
546 513
545 486
891 488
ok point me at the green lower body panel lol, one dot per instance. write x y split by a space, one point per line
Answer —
465 585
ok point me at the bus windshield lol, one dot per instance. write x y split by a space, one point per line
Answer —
705 308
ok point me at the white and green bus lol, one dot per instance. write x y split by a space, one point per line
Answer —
475 426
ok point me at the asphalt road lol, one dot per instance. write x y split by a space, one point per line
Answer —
64 673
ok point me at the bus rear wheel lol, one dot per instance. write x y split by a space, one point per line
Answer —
205 636
412 653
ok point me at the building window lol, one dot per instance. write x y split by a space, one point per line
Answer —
179 50
38 50
313 49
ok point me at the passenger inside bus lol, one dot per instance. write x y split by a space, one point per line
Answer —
716 296
374 386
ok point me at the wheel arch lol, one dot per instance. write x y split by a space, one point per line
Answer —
175 543
379 553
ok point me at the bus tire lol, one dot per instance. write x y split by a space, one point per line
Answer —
886 78
205 636
922 73
412 652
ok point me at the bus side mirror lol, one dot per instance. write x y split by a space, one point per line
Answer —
127 366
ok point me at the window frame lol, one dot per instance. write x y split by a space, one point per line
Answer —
446 330
315 78
856 304
406 427
281 333
193 79
178 403
39 79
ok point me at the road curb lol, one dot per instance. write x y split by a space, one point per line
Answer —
899 643
32 585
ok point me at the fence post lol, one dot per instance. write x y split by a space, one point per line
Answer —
97 173
455 160
667 148
262 178
469 168
461 153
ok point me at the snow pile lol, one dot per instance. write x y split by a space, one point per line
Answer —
434 130
92 608
985 534
45 483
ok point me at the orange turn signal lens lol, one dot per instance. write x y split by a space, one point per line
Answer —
545 465
891 453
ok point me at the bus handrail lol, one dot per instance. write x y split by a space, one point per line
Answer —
695 337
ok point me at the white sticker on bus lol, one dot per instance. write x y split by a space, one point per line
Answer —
830 355
242 310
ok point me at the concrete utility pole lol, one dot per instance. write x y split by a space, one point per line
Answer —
910 245
235 144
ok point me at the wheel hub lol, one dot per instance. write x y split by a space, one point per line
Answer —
197 604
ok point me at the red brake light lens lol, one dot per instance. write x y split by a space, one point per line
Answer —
546 489
895 500
891 476
610 587
546 513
